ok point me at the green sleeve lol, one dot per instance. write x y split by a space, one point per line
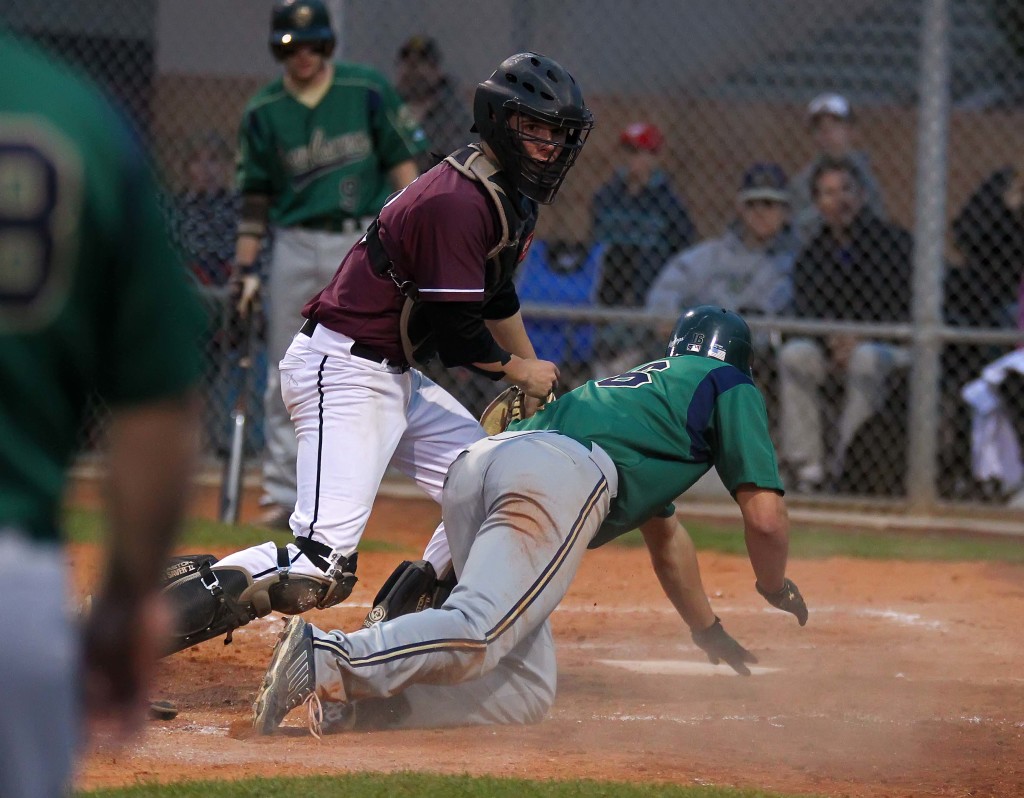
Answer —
255 154
743 449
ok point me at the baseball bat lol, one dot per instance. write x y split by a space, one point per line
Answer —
231 482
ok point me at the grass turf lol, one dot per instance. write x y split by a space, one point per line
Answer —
420 785
84 526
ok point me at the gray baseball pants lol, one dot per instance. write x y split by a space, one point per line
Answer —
802 371
519 510
39 670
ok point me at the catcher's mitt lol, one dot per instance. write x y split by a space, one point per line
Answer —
506 407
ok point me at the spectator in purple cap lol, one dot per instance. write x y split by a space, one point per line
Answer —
748 267
831 120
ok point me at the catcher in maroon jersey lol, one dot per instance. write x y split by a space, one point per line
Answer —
433 276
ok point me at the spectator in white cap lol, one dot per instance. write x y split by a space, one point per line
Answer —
830 119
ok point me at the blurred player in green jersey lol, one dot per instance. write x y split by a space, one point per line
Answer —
91 300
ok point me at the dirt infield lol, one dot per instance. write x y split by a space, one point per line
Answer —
907 681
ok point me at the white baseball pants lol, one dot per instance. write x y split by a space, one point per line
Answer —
353 418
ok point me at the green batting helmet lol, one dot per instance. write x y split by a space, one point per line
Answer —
297 22
711 331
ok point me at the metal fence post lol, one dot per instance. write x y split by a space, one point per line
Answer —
929 236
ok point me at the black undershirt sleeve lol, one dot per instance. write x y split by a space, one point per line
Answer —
462 338
503 304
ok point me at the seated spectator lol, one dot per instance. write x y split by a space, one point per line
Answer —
989 232
205 211
831 122
639 218
980 291
749 267
203 225
641 221
562 273
433 99
857 268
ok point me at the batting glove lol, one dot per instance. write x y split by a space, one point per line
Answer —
719 646
787 598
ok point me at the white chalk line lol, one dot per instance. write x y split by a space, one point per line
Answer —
269 626
899 618
679 667
781 720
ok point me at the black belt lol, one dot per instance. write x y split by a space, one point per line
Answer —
358 349
334 224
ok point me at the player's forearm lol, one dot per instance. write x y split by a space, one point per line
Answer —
675 564
247 249
146 496
766 531
403 174
511 335
253 219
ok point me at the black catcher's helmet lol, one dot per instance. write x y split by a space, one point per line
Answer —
538 87
711 331
295 22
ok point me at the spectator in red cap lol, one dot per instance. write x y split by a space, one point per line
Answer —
639 217
830 119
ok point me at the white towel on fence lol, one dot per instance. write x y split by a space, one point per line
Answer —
995 448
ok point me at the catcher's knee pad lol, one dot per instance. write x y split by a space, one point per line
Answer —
445 585
181 566
339 572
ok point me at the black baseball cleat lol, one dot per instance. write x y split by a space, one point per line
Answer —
290 680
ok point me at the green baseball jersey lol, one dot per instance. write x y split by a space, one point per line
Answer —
665 424
331 160
92 298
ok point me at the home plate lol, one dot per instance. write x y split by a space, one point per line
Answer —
675 667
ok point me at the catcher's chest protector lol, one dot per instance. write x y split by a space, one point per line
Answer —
517 223
517 220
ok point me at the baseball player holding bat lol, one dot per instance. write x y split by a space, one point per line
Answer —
320 150
521 508
433 275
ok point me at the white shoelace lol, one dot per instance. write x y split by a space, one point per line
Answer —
314 715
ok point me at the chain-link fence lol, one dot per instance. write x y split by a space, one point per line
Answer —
849 175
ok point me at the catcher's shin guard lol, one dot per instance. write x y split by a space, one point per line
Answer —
207 603
210 601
